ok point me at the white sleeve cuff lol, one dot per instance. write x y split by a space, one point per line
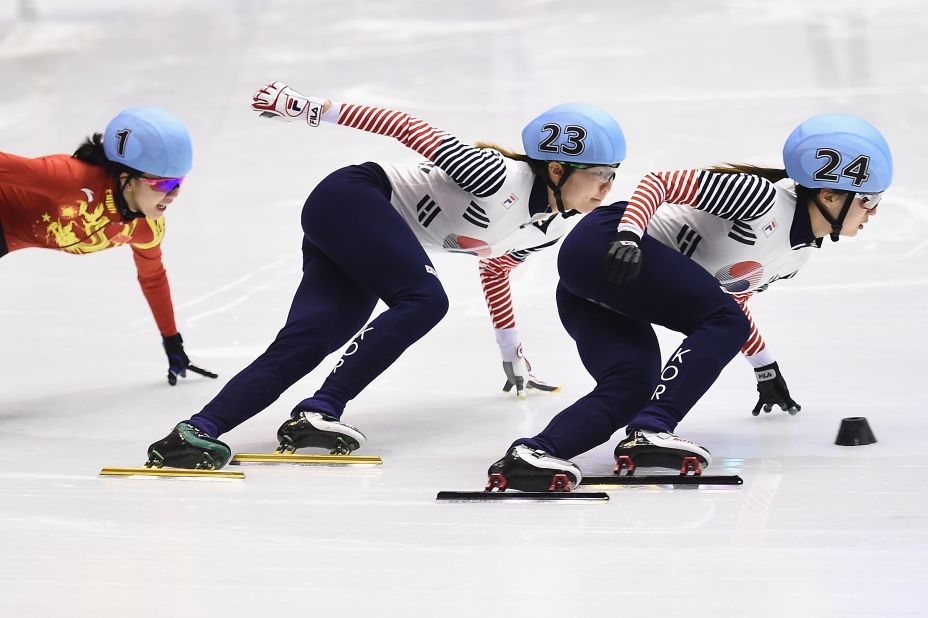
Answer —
631 227
508 341
762 358
334 113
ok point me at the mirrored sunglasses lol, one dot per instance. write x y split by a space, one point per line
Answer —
163 185
869 200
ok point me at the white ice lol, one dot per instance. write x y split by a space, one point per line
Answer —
816 530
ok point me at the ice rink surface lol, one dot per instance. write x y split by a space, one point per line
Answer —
816 529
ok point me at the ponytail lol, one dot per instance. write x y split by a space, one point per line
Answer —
91 151
773 174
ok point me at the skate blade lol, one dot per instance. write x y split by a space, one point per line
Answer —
172 472
615 480
295 458
526 496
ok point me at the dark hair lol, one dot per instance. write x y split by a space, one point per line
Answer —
803 194
773 174
91 151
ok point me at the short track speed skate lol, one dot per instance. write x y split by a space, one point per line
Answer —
186 451
188 447
313 430
649 449
535 475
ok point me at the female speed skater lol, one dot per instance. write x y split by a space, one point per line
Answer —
690 265
366 231
112 191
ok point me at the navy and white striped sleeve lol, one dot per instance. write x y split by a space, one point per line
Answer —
737 197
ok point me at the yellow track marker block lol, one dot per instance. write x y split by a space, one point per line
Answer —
171 472
294 458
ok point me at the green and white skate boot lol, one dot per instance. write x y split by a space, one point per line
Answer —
188 447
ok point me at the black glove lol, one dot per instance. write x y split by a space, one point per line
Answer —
772 389
178 363
623 262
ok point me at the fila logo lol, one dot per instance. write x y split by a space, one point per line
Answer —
770 227
314 114
764 376
509 201
295 106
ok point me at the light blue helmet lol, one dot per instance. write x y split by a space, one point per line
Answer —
150 140
575 133
838 151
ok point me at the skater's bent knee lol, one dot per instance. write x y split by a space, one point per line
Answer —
731 320
435 305
429 301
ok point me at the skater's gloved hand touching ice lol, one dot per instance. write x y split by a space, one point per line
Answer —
178 363
519 374
516 367
623 262
281 102
772 391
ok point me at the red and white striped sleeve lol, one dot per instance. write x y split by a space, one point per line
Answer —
678 187
732 196
479 171
494 276
755 349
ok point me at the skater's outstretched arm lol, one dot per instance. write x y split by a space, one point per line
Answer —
771 386
494 277
154 282
480 171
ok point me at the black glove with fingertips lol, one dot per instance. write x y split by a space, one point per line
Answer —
623 262
178 362
772 390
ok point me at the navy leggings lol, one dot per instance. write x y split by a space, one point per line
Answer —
612 326
356 249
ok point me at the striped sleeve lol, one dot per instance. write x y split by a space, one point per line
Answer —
737 197
755 349
494 276
479 171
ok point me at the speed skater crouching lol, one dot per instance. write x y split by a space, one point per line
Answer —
367 229
742 228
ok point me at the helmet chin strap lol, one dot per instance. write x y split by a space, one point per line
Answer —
836 223
556 189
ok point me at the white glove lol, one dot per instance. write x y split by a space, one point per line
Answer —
281 102
519 374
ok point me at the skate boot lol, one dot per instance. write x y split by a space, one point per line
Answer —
320 430
527 469
651 449
188 447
